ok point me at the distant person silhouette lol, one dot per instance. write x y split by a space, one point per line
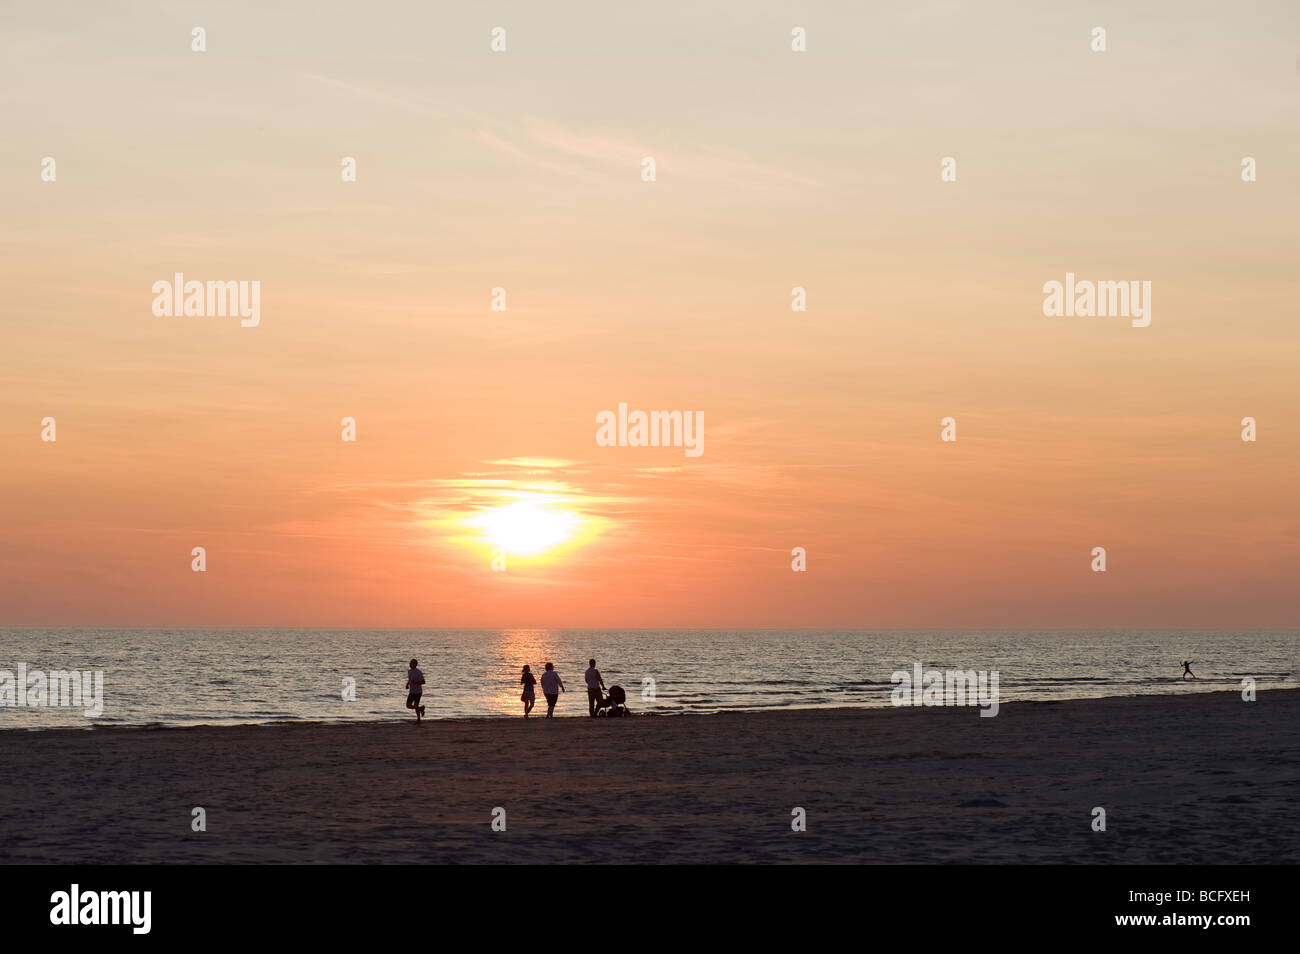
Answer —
552 686
529 698
414 689
594 684
1187 670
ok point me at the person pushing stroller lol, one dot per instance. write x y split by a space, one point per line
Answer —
595 683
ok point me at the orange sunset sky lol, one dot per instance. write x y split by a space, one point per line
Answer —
775 169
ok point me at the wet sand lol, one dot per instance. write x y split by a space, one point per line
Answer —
1203 778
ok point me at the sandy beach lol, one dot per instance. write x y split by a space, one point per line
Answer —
1188 779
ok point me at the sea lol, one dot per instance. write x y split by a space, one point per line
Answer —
180 677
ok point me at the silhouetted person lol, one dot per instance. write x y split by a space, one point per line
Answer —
594 685
552 686
1187 670
414 689
529 698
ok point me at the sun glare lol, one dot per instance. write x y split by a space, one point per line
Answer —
526 527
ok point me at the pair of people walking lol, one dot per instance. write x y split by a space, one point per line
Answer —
553 685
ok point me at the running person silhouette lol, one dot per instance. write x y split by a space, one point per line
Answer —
415 689
1187 670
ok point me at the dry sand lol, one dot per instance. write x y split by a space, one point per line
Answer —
1191 778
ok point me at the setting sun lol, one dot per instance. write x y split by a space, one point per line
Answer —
526 527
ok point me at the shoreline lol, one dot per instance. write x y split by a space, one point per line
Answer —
101 727
1190 778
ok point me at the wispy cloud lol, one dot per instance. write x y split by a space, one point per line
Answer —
546 144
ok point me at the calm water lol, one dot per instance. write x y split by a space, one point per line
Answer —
222 676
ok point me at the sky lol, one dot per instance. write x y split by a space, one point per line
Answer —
774 169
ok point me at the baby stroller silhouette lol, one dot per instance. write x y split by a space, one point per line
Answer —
614 704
